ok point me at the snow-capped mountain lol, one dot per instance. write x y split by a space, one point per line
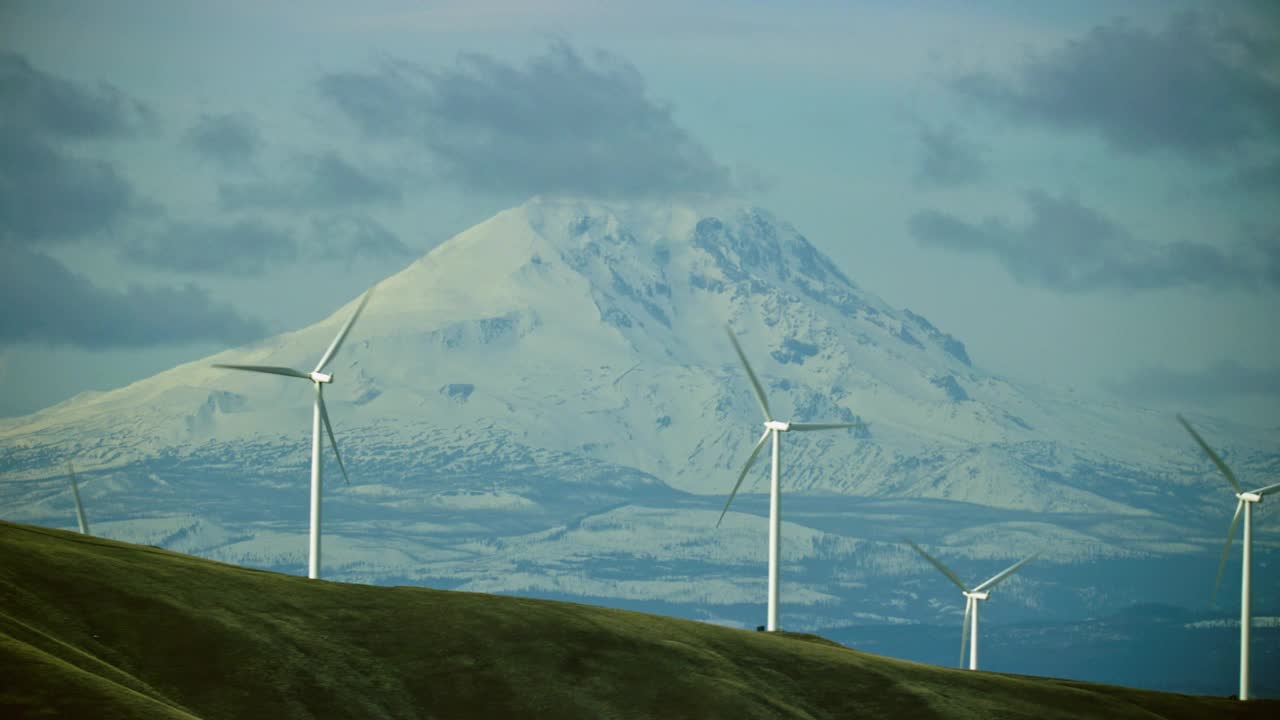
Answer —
548 403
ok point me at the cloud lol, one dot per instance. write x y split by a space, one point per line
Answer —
1068 247
48 106
1263 177
1266 243
1192 87
559 124
388 103
48 193
48 196
232 141
1228 378
245 247
41 301
324 180
349 237
948 159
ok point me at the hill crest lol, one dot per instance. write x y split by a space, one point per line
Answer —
95 624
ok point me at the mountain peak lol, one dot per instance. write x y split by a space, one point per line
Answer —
566 305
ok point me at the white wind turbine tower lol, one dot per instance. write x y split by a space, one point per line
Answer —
75 492
772 428
969 630
320 415
1245 502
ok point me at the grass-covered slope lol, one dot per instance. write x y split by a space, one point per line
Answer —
96 628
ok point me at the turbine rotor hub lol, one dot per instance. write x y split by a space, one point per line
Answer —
977 595
1252 497
321 377
778 425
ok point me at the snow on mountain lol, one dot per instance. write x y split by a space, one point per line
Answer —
566 362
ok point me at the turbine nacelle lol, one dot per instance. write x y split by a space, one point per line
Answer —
1244 510
772 428
320 424
972 596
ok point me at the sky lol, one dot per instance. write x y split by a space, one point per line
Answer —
1084 193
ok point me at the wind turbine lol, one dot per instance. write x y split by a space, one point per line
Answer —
772 428
320 415
75 492
972 598
1245 502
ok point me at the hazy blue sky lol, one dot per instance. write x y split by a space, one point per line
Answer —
1083 192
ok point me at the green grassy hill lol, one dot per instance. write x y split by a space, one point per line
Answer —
96 628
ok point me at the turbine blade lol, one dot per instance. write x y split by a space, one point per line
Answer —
1222 564
342 334
804 427
964 633
1267 490
755 452
81 520
1006 573
333 442
755 382
272 369
943 568
1231 477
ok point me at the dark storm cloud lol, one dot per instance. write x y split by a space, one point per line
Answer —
947 159
1191 87
229 140
1226 379
1068 247
41 301
323 180
559 123
43 104
49 192
246 247
354 237
49 196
